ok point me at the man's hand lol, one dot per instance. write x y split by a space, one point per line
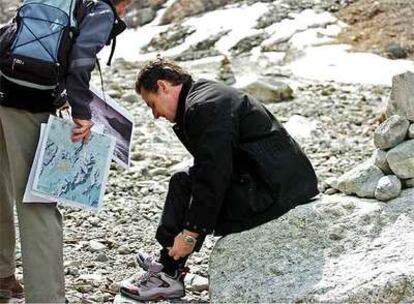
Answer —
181 248
82 131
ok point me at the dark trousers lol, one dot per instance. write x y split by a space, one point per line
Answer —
172 219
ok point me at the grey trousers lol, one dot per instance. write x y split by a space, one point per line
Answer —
40 225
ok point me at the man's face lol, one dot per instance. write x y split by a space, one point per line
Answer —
163 103
122 7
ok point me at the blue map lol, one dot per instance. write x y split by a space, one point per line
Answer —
73 173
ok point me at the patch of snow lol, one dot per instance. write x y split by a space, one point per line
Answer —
308 31
284 30
337 63
240 21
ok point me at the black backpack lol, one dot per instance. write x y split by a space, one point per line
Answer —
35 46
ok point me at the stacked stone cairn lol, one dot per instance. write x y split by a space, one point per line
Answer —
391 168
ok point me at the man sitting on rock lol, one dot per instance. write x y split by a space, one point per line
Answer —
247 171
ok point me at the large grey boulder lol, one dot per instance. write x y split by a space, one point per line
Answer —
401 101
391 132
388 187
268 92
361 180
380 160
337 249
401 160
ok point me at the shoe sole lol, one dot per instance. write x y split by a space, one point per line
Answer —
158 297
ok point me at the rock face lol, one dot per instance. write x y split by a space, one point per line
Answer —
337 249
184 8
401 101
269 92
362 180
401 159
391 132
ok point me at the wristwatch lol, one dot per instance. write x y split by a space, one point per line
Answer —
188 239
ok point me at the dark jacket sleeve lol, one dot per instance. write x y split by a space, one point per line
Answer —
209 127
94 32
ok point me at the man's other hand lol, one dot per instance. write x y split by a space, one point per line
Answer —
82 131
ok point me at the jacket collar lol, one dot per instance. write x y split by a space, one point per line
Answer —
179 119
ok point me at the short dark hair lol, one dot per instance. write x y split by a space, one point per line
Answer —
160 69
116 2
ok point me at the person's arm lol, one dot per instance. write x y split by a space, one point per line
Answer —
94 32
209 127
211 130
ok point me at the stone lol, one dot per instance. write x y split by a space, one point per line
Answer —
248 43
395 51
391 132
361 180
119 299
143 16
401 160
94 221
196 282
411 131
380 160
408 183
330 191
159 171
124 249
302 128
185 8
225 73
95 246
130 98
388 187
102 258
337 249
91 279
269 92
401 101
332 182
168 39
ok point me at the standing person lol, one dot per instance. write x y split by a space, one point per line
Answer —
247 171
22 111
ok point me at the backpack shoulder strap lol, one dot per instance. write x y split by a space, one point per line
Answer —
118 27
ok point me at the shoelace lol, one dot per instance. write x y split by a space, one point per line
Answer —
153 270
145 278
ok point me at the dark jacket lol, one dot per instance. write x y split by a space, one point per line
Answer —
247 169
95 29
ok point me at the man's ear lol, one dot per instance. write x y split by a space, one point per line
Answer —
162 85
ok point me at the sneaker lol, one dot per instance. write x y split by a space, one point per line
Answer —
154 285
144 259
